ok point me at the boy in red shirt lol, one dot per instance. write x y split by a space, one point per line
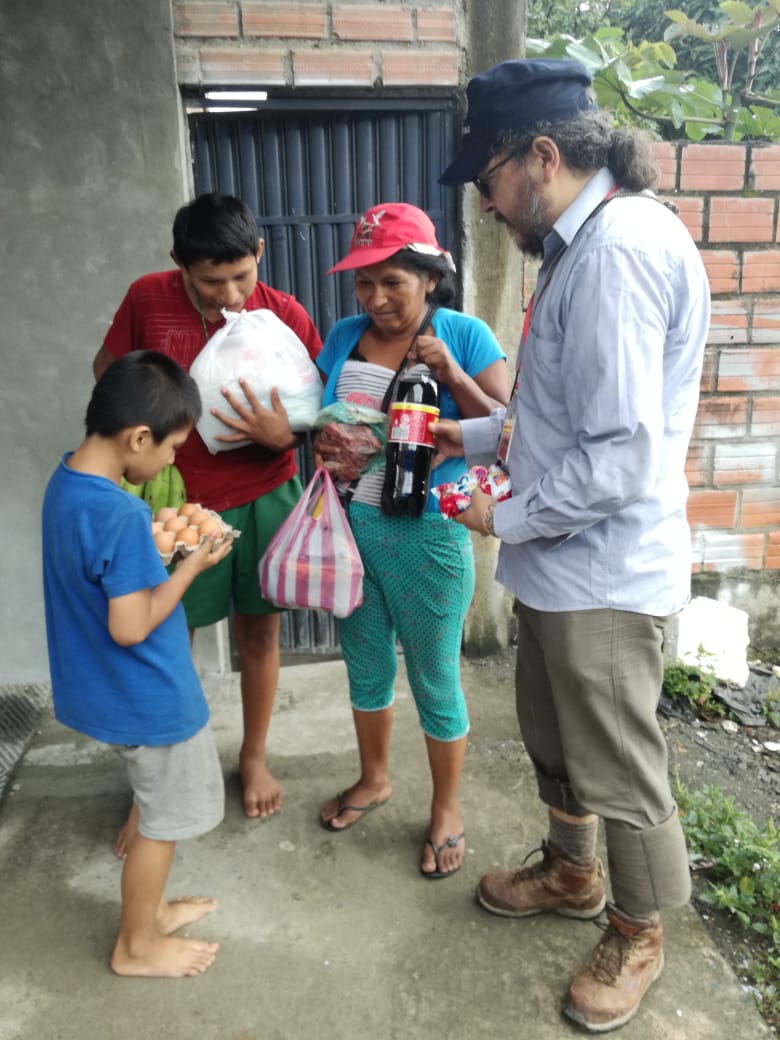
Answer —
216 250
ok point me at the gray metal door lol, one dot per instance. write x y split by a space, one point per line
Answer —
308 169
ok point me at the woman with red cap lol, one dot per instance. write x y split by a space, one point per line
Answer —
419 571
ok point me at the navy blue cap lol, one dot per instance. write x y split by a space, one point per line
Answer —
516 95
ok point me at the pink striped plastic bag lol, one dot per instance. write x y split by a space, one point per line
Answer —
312 561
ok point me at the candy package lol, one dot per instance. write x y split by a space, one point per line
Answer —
455 497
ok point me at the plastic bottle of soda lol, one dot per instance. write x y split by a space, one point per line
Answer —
410 446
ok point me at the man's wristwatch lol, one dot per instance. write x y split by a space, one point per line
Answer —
488 520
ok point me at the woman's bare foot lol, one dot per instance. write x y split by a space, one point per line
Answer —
262 793
127 833
177 913
163 957
451 852
347 808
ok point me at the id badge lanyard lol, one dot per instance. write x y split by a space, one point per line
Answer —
507 430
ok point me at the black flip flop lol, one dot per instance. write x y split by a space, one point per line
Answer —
451 843
343 807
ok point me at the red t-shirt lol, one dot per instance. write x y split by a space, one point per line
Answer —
156 314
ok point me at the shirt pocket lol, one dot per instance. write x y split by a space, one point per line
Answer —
541 390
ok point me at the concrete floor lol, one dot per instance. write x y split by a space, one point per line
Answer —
324 936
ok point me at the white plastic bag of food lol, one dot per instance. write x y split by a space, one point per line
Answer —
258 347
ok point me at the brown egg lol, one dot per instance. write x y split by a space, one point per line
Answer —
210 526
164 542
188 535
176 523
157 525
166 513
189 508
197 518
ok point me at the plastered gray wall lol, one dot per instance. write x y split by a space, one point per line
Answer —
91 172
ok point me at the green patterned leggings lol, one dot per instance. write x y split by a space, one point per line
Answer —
419 580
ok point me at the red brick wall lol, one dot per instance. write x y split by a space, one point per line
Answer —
728 199
351 43
727 195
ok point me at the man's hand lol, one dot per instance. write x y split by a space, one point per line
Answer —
449 439
474 516
266 426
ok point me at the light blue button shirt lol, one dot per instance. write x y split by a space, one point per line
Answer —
606 402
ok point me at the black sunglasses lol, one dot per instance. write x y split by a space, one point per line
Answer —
481 183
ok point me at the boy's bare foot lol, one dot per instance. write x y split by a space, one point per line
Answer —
261 791
164 958
127 832
337 817
176 913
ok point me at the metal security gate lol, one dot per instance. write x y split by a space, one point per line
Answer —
308 169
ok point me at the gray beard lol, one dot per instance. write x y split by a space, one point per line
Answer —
529 238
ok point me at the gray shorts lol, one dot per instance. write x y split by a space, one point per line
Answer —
178 788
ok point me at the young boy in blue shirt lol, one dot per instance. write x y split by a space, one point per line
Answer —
119 651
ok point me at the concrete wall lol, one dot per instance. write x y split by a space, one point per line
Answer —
90 173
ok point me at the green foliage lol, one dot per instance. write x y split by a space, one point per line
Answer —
737 33
694 685
548 17
744 880
643 83
771 707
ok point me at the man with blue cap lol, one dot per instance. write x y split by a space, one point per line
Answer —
595 545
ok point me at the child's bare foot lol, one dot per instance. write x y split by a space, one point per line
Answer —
261 791
163 957
127 832
177 913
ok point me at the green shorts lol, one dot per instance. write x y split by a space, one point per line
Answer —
234 583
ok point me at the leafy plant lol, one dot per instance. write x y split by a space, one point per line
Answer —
739 30
771 707
744 879
642 84
694 685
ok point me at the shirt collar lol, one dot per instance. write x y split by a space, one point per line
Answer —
577 212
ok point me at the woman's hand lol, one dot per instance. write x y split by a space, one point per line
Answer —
327 453
433 352
475 397
268 427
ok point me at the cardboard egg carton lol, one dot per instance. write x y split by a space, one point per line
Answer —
196 520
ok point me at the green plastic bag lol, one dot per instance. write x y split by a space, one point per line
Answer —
166 489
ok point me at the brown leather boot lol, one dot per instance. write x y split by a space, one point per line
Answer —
629 958
552 885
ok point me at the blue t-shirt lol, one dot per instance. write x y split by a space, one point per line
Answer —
98 545
469 340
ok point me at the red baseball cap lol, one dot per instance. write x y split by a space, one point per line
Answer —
385 230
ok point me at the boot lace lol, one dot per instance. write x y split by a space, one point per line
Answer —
610 955
537 869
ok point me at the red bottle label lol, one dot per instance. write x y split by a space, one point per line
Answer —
409 424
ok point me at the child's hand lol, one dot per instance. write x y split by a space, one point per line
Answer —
208 554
